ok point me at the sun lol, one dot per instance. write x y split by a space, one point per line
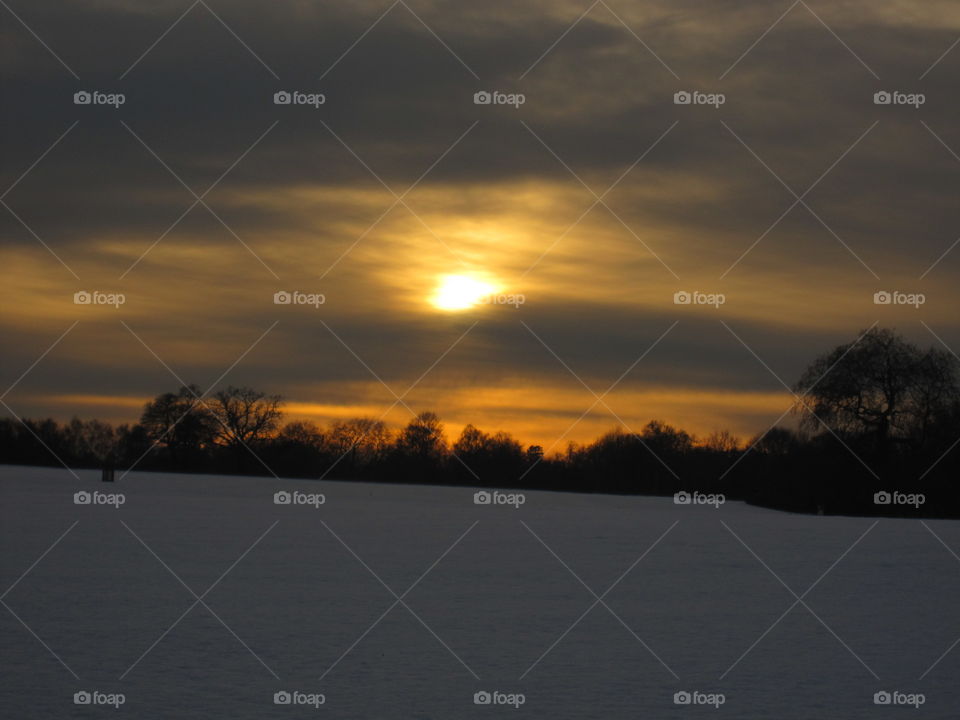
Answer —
460 292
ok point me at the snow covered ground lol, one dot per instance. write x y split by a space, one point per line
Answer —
493 598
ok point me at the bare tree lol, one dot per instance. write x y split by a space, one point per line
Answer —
472 441
664 438
302 432
722 441
244 416
881 386
178 421
92 438
363 439
423 437
476 445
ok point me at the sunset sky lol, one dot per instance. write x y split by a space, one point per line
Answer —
596 200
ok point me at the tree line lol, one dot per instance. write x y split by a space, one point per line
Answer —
878 414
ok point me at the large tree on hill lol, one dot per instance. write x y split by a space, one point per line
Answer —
880 386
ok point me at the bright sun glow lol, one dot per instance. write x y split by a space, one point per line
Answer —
459 292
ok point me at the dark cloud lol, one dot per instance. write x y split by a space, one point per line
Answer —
400 100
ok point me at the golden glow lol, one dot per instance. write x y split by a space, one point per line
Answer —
460 292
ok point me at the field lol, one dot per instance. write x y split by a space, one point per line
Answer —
201 597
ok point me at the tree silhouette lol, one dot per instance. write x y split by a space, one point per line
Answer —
722 441
362 440
880 386
495 458
244 416
179 422
92 439
423 438
302 432
893 410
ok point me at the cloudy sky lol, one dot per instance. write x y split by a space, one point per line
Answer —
596 200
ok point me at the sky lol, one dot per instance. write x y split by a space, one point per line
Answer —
594 202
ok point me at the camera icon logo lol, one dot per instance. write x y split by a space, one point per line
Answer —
282 98
282 297
682 698
882 498
682 297
282 698
682 98
882 298
681 498
482 98
882 98
882 698
482 698
82 298
282 498
482 498
82 698
82 98
82 498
